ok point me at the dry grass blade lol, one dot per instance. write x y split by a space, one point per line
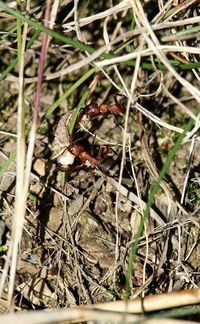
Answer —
21 151
23 172
111 310
106 220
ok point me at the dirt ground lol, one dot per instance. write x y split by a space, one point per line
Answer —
80 223
76 243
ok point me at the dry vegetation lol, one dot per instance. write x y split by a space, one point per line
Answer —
128 227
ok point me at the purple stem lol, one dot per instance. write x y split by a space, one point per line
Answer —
42 58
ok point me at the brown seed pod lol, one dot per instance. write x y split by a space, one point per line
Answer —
62 137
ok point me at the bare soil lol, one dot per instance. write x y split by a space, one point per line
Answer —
79 229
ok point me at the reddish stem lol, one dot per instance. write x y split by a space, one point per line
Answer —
41 64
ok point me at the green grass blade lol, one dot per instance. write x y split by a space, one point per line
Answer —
184 32
69 91
50 32
5 167
76 111
6 34
11 66
150 202
72 42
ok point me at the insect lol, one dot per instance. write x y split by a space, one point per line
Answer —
65 150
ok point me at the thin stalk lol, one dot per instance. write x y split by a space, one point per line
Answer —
11 66
37 98
77 44
150 202
69 91
77 110
21 152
